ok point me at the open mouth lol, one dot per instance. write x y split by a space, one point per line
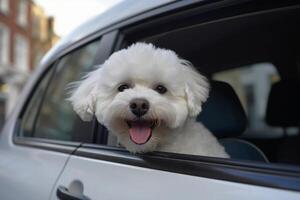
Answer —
140 130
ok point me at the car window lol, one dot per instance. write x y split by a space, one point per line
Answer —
56 119
33 106
243 65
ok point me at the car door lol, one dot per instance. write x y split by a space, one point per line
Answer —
106 171
102 173
38 140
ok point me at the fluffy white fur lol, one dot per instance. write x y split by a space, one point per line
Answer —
143 66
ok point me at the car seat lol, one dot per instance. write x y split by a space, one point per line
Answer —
283 111
225 117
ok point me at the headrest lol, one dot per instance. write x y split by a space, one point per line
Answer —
283 105
223 113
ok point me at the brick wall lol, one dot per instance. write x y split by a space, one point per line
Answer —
10 20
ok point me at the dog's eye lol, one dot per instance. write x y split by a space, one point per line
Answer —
123 87
160 89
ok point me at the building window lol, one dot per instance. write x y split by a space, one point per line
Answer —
4 6
22 13
4 45
36 26
38 57
21 53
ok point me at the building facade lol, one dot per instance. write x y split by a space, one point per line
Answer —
26 33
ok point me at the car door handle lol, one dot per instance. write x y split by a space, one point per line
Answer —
63 194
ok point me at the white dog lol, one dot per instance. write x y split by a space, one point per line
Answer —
148 97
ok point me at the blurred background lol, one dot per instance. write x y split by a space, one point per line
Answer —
28 29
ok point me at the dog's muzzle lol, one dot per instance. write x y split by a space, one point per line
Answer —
139 107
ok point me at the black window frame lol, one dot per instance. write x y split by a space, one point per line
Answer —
274 175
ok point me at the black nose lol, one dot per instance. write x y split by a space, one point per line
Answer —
139 107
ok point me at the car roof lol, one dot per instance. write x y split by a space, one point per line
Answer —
121 11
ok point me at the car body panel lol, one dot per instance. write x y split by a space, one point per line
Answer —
108 180
25 172
29 173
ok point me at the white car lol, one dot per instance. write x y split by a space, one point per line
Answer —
249 50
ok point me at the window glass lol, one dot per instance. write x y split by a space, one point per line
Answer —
34 105
36 24
21 53
4 6
56 119
4 45
22 13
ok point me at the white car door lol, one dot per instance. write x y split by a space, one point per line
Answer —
39 138
102 173
29 167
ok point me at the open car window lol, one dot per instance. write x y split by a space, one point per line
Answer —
249 73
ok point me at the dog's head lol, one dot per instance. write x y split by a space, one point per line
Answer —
141 94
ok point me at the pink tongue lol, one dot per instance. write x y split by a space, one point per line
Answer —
140 132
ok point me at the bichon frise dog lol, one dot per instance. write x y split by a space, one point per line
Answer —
149 98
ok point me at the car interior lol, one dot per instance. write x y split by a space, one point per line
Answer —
252 62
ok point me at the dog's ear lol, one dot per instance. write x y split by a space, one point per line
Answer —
84 95
196 88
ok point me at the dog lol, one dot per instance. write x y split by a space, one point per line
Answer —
149 98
